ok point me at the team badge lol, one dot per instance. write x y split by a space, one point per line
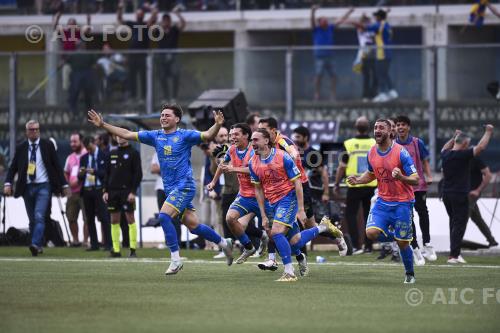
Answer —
175 139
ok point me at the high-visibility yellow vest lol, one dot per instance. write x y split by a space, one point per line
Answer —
358 149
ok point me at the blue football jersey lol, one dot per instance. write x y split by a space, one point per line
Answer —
174 155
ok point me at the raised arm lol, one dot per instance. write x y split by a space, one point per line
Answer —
448 145
119 12
96 119
493 10
313 16
483 143
153 17
182 21
57 17
210 134
345 17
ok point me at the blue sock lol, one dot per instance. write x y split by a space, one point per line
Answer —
307 235
169 231
244 240
407 256
283 248
208 233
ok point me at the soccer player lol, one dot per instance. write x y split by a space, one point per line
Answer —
278 190
173 146
390 218
420 155
284 143
245 205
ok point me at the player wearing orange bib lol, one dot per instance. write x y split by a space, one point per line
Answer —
391 216
245 207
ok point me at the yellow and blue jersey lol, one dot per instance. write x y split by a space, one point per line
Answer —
383 38
477 12
174 155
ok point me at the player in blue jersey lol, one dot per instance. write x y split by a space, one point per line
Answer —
173 146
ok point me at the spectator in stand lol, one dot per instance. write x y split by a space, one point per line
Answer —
69 35
82 77
168 64
456 156
323 37
365 60
383 55
75 202
113 67
139 42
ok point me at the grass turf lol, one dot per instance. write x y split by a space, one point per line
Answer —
68 289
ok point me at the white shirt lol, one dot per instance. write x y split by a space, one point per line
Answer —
93 157
159 182
41 172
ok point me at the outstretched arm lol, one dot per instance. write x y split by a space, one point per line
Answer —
182 21
96 119
119 12
345 17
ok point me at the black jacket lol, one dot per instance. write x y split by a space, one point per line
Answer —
19 166
123 170
101 160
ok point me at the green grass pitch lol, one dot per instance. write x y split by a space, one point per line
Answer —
68 290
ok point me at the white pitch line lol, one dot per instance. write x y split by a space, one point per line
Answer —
201 261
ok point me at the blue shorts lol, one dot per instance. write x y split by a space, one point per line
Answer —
245 205
324 65
397 216
284 212
181 199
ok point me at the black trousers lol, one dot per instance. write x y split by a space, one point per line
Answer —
355 197
95 206
457 207
423 217
475 216
369 78
227 200
137 67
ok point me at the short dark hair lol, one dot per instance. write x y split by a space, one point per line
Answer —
403 119
174 107
244 128
266 135
271 122
302 130
250 119
88 140
80 136
104 138
166 16
382 120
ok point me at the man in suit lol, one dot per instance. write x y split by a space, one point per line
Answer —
91 174
39 175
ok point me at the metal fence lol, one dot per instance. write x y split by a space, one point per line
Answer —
440 88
